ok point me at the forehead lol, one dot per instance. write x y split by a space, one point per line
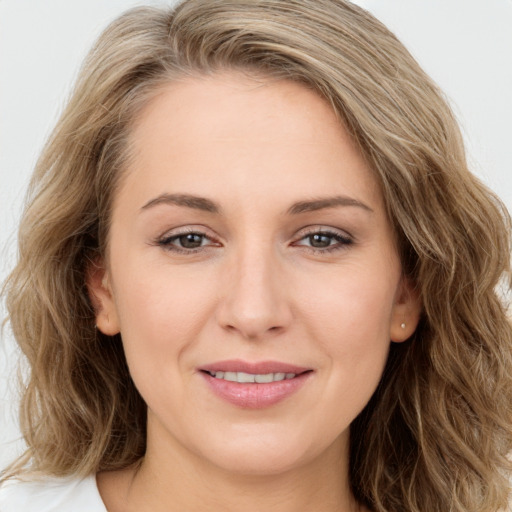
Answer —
238 106
247 133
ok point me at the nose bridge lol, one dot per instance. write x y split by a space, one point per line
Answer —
254 301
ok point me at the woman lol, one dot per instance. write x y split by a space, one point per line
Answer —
256 273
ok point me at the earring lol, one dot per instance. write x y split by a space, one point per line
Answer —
402 325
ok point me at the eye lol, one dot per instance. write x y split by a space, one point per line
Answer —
190 240
187 242
325 241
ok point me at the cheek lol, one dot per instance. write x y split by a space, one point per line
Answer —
353 305
350 318
354 335
160 313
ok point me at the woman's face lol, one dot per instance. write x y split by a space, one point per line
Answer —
249 242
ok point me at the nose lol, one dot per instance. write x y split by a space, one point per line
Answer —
254 300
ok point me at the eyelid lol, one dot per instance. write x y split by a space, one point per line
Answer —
185 230
311 230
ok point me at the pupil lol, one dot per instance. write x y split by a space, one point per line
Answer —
190 241
320 240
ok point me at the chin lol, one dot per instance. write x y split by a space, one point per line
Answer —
258 462
265 454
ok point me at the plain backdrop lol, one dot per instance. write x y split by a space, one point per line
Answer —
465 45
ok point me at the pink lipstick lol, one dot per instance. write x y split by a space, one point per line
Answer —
254 385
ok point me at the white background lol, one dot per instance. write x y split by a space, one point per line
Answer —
466 46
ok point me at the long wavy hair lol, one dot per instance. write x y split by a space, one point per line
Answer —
436 434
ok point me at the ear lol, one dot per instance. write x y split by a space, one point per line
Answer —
406 311
102 297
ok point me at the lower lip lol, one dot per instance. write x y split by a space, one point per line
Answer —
254 395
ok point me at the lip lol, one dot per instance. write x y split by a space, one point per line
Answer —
261 367
255 395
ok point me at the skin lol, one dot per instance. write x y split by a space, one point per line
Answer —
256 289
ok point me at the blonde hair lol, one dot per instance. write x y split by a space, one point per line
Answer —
436 434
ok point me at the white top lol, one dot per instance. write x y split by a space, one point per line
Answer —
51 495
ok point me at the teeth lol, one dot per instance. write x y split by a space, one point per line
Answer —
231 376
264 379
243 377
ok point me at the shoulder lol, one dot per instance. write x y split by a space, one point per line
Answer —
51 495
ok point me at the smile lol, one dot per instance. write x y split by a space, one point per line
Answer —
250 385
259 378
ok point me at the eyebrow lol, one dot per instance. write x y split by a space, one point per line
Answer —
325 202
207 205
187 200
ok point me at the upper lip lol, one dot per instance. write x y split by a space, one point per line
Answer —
256 368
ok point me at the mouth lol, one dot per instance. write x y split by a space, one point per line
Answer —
262 372
248 378
254 385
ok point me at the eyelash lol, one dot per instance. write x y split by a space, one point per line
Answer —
343 241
